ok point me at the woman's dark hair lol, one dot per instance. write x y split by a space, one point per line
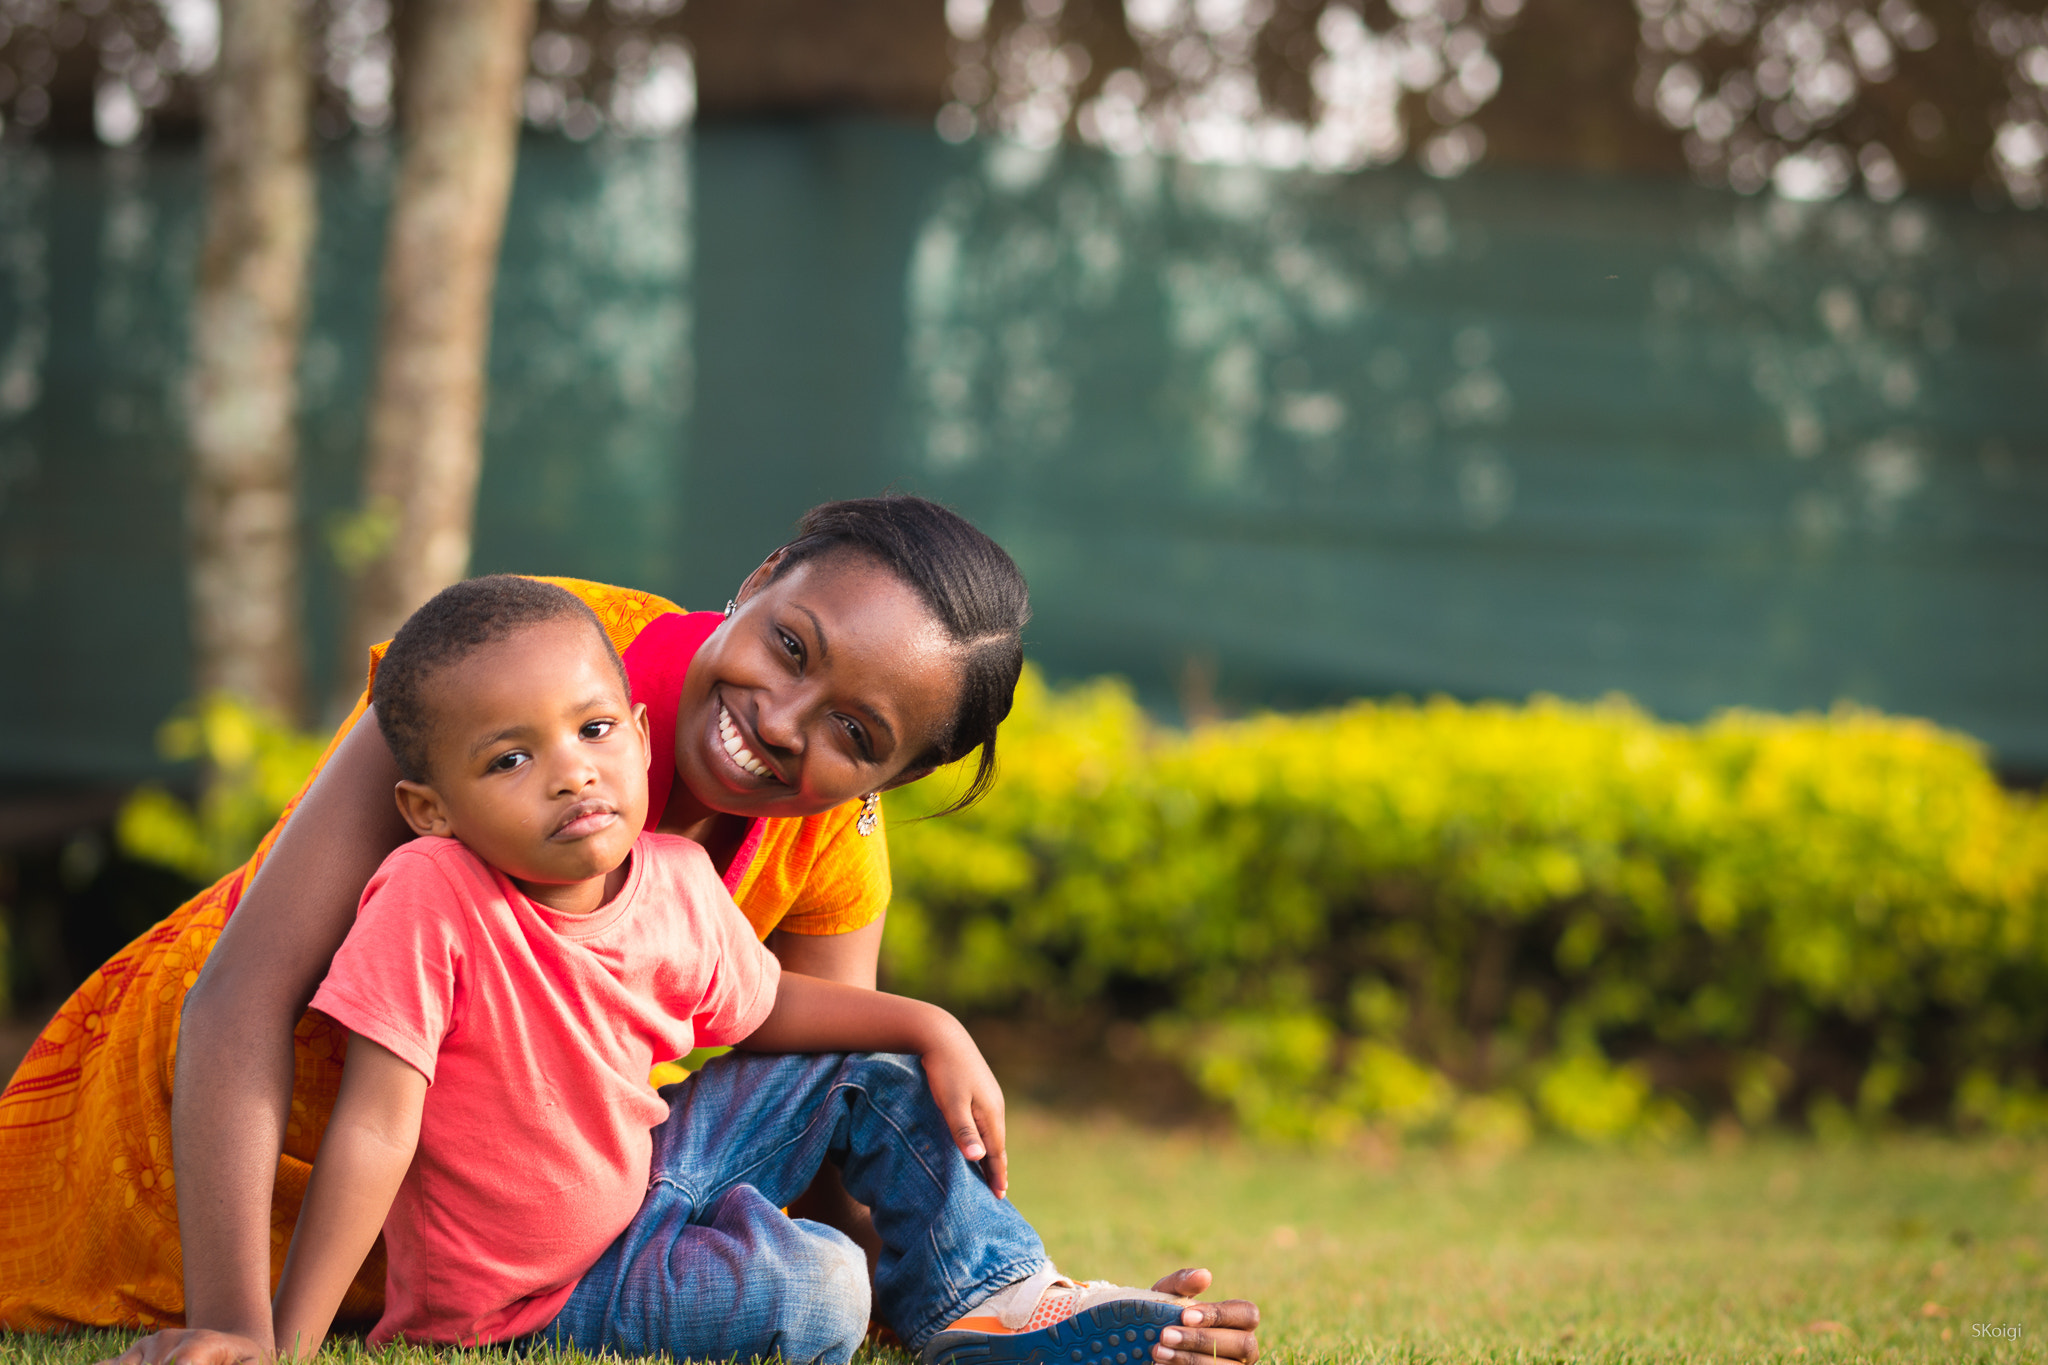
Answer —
969 583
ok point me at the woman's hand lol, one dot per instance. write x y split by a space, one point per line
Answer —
190 1346
1208 1331
971 1102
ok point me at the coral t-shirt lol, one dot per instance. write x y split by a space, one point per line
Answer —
535 1030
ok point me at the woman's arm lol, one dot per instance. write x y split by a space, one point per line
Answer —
232 1092
850 957
363 1156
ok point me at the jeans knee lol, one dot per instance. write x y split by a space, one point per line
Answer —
825 1296
888 1077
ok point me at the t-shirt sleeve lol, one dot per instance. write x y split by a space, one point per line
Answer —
394 978
848 886
744 976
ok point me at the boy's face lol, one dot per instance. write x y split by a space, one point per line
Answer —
537 761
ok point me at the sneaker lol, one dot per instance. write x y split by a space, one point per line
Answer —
1049 1319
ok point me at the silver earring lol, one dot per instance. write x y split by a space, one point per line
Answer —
731 606
870 814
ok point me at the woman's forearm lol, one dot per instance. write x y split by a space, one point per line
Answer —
228 1113
231 1096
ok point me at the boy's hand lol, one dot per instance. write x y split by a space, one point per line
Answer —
972 1104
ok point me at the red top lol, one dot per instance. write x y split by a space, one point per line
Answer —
656 663
535 1030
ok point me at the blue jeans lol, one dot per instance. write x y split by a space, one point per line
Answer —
711 1268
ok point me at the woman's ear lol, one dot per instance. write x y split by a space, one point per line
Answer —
758 579
646 734
421 806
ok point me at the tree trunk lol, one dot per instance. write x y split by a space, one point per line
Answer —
246 319
460 121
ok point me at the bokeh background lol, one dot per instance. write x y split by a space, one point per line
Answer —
1299 350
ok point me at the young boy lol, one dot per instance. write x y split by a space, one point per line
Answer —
512 976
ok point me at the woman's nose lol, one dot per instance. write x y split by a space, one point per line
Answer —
779 722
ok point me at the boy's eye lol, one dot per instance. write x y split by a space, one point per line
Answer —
506 762
598 729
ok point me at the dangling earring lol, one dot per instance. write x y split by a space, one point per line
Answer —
731 606
870 814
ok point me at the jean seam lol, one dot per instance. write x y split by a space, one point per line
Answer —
661 1177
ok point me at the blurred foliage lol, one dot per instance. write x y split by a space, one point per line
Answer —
1463 921
1443 920
252 765
1815 98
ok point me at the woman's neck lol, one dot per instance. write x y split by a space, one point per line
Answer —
721 834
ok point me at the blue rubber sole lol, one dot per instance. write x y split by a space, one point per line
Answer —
1122 1332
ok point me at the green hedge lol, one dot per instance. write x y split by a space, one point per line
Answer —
1448 920
1472 920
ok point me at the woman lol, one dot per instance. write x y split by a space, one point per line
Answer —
881 643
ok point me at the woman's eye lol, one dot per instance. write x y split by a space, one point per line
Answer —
791 645
505 763
598 729
858 735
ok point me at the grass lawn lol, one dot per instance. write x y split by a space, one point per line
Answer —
1782 1251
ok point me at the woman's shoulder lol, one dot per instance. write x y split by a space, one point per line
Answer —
624 612
817 874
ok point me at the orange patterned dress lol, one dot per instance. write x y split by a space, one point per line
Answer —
88 1218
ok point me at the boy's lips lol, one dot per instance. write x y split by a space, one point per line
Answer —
584 819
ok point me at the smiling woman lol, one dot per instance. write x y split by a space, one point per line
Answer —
883 641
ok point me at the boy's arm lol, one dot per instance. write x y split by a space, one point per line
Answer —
811 1015
363 1157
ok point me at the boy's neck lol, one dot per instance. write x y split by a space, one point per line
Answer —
577 898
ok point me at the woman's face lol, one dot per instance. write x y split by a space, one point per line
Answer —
827 683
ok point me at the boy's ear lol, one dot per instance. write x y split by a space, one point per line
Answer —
421 806
646 735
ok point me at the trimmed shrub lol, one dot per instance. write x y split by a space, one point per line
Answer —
1441 917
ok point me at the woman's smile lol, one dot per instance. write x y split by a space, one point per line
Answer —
735 746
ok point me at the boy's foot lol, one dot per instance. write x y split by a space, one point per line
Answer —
1051 1320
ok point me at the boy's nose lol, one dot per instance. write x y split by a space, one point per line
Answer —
575 772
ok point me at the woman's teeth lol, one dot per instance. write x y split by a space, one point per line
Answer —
729 736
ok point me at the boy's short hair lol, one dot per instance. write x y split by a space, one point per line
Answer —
455 623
